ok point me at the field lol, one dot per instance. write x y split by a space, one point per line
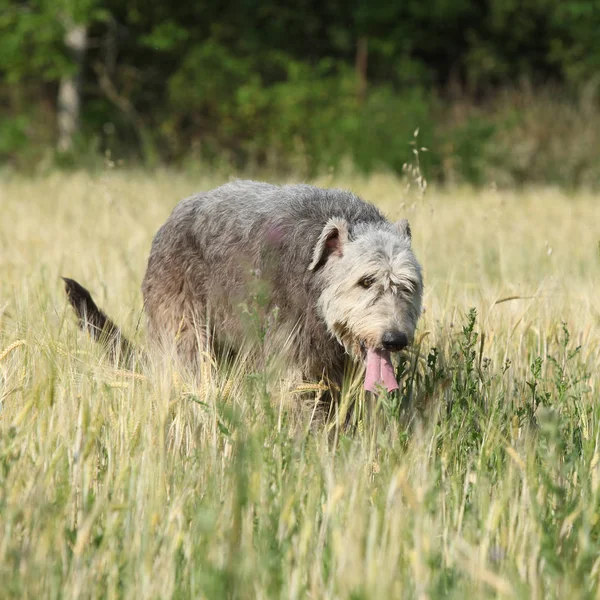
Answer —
481 479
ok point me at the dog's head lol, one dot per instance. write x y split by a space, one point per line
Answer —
372 287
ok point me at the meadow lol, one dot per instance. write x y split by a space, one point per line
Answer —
480 479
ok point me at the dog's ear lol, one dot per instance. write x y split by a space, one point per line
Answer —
330 243
403 228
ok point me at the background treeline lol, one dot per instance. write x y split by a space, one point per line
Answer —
501 90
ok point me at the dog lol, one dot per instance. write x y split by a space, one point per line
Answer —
340 284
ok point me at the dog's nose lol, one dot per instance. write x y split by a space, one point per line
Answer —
394 340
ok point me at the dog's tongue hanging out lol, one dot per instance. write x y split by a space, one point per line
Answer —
379 371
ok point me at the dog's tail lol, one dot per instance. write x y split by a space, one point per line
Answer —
120 350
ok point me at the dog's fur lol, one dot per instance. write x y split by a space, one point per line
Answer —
328 270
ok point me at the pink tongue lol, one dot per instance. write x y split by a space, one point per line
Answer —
380 371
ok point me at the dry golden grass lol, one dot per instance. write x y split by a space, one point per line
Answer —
483 478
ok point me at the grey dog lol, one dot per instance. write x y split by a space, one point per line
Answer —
338 280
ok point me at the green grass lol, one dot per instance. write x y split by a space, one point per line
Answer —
480 479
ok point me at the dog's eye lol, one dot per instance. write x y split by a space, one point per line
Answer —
366 282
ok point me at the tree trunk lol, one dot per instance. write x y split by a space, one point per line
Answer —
362 54
69 91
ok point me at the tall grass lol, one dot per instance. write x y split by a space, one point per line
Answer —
480 479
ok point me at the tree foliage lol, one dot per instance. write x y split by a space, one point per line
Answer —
279 83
